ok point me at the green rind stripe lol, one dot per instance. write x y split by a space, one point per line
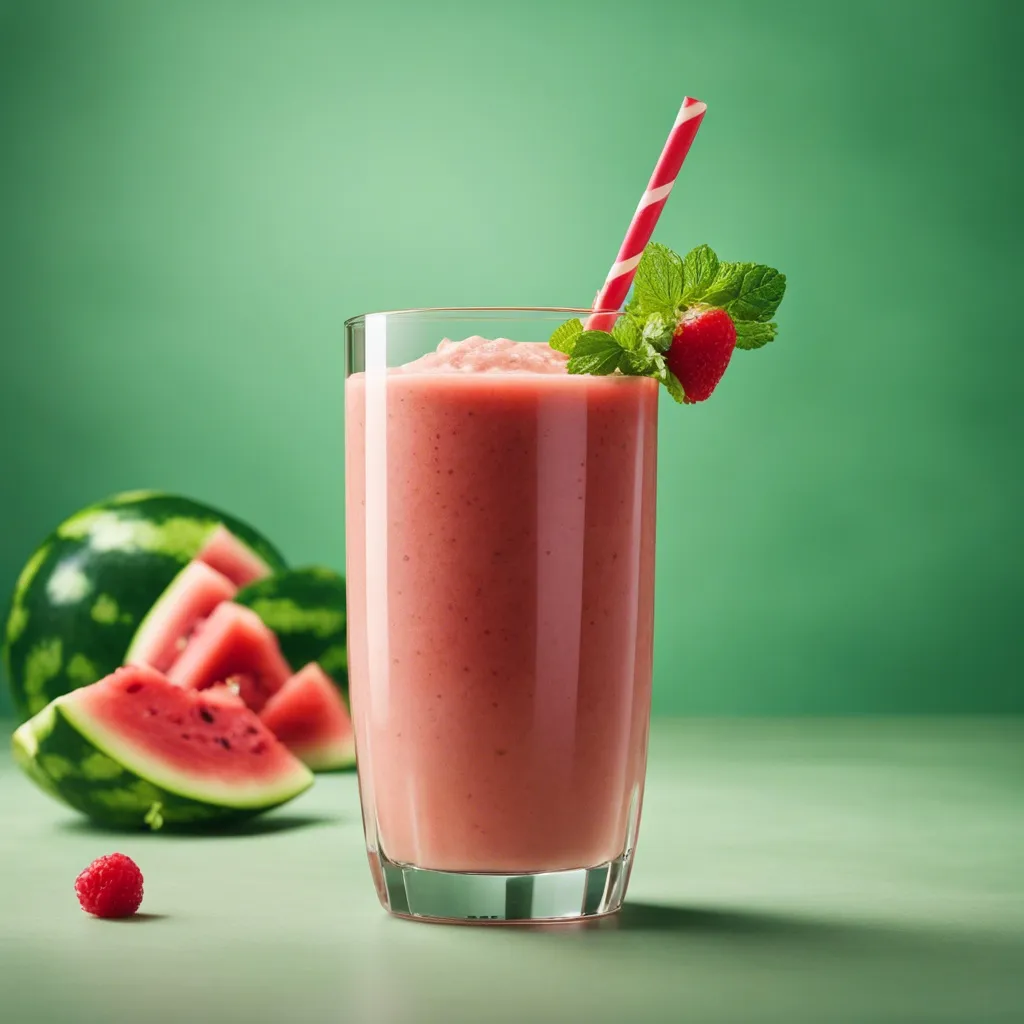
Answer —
306 609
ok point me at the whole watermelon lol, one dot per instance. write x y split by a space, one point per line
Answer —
83 593
306 610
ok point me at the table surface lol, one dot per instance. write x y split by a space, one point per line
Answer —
789 871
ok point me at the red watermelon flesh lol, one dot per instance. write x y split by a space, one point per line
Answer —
177 615
233 647
308 715
222 693
151 722
230 557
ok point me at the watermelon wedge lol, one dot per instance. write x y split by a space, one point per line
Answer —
83 593
222 693
169 625
309 717
230 557
134 749
233 647
306 609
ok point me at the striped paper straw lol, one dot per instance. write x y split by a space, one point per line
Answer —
620 277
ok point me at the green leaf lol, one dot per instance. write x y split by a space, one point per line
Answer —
645 361
748 291
596 352
659 331
658 285
563 339
760 295
753 334
675 389
700 268
727 283
627 333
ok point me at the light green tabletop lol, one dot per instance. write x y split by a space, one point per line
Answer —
812 871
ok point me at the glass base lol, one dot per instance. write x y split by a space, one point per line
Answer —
477 898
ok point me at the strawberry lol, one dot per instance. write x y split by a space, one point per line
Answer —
702 346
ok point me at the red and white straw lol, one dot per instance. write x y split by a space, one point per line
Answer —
652 202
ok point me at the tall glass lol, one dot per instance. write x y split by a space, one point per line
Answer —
500 562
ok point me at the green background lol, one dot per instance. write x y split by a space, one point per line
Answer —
195 195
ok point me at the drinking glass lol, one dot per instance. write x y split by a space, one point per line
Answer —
500 567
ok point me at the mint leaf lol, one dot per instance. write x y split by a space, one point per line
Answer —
563 339
646 361
658 331
635 364
675 389
658 285
596 352
748 291
700 268
753 334
627 332
760 294
727 284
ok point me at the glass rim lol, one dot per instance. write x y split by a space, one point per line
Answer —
457 311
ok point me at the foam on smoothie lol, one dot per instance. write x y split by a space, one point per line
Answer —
489 355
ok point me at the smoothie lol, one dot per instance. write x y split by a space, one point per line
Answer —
501 524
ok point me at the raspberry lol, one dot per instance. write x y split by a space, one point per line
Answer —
702 347
110 886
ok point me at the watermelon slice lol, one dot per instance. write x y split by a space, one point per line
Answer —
309 717
306 610
222 693
230 557
233 647
169 625
134 749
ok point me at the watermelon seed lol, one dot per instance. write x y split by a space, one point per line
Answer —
205 714
224 742
259 748
186 735
251 730
133 687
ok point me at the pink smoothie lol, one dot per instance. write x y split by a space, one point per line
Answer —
500 541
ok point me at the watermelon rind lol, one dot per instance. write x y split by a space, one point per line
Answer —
83 593
305 607
74 757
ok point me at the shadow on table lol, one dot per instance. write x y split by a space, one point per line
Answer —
142 918
794 933
260 826
708 922
657 917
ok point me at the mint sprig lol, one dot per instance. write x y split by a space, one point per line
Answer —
596 352
658 284
665 287
564 337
